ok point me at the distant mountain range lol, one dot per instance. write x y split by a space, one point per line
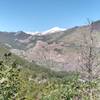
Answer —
55 48
52 30
20 39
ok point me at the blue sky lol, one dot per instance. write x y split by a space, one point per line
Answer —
41 15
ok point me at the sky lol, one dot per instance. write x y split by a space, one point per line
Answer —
41 15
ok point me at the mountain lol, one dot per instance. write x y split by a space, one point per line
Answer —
22 40
56 48
50 31
53 30
13 39
33 33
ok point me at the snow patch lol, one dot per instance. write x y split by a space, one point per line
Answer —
32 33
53 30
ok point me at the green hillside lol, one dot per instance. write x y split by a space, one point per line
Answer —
36 81
29 81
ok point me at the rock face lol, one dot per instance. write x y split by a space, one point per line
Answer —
53 56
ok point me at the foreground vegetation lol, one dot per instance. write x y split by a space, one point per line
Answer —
20 80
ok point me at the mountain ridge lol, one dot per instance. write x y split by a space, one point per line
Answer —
58 49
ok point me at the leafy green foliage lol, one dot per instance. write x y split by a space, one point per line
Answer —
21 80
9 78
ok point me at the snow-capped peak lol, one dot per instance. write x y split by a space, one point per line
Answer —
32 33
53 30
